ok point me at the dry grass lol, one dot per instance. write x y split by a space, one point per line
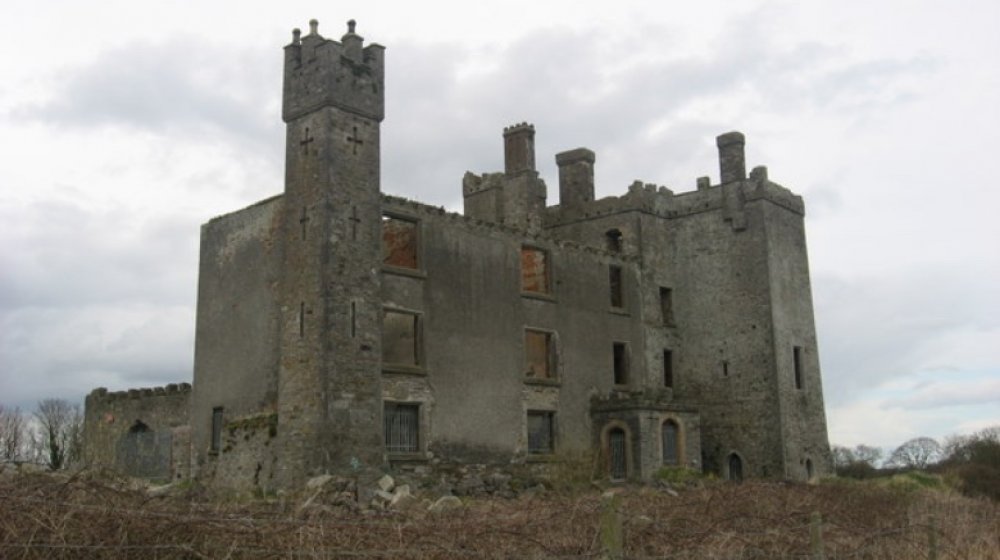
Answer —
89 516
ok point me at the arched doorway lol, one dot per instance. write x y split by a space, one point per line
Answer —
617 454
669 433
735 467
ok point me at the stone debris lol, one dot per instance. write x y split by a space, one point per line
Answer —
386 483
318 481
445 503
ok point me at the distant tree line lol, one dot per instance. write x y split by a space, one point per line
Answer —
51 435
971 462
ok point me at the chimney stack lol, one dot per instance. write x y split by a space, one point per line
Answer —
519 148
732 161
576 177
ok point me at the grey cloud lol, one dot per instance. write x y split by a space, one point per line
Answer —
184 86
876 329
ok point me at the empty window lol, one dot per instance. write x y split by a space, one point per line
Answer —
671 453
615 283
620 357
735 468
400 338
534 270
540 432
668 368
797 358
725 368
399 242
667 306
402 427
613 240
216 428
540 354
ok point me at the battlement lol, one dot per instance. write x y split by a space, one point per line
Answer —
322 72
101 394
733 191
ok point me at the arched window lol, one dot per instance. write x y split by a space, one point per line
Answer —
669 433
809 469
735 468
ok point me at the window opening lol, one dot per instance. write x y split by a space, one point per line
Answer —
534 270
615 282
216 428
620 357
667 306
725 368
617 458
540 432
399 242
613 240
797 358
400 338
402 427
671 453
668 369
540 355
809 469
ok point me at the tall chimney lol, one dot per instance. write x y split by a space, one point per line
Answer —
732 161
576 177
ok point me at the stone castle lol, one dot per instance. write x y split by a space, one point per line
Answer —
343 330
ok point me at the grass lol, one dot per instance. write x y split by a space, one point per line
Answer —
99 516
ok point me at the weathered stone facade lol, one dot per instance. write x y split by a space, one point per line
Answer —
342 330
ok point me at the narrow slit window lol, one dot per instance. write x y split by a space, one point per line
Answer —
402 427
539 354
534 270
667 306
401 338
216 428
668 369
620 358
725 368
616 288
399 242
797 359
541 434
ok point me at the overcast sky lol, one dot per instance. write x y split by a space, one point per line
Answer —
125 125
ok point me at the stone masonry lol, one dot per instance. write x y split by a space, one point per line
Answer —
341 330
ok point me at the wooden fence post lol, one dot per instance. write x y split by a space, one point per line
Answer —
932 540
816 537
611 531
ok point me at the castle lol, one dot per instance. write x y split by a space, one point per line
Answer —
340 329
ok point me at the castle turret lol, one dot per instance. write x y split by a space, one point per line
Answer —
329 391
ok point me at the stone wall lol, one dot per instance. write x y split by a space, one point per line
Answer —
140 432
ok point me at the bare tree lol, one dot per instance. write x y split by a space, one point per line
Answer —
12 434
917 453
868 454
60 426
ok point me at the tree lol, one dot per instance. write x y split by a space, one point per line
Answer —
917 453
859 462
59 436
12 434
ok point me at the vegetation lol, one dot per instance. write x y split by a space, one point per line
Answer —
100 516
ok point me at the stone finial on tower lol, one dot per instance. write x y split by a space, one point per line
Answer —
519 148
576 177
732 161
352 42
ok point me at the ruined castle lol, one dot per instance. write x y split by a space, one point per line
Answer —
343 330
